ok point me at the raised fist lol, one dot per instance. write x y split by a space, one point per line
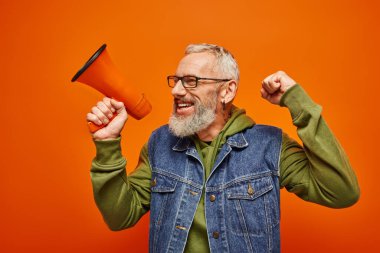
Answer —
275 85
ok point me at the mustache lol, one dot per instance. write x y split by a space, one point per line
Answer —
183 100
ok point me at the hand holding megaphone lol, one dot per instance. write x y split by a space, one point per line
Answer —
110 116
100 73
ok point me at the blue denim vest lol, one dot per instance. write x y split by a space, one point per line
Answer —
241 194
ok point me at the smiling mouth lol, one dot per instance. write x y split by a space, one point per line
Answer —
183 107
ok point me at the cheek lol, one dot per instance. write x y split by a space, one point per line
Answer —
209 97
195 98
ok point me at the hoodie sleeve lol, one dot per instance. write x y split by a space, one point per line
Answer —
319 171
121 199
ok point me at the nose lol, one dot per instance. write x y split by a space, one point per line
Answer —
178 89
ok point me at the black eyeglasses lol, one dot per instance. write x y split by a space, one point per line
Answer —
190 81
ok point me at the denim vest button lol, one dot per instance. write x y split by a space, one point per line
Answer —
153 182
212 198
215 235
250 190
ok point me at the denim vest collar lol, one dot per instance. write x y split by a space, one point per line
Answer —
237 140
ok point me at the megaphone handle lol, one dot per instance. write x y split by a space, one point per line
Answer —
93 127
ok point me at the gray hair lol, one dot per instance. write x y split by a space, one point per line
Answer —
226 62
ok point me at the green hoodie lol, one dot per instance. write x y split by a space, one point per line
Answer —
318 172
238 122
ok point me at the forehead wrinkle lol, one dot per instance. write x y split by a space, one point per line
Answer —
198 64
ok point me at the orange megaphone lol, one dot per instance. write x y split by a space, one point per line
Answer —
100 73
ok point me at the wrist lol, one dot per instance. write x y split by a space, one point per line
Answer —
105 136
108 151
109 138
299 103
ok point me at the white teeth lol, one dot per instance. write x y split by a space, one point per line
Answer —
184 105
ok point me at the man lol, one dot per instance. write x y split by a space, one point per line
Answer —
211 178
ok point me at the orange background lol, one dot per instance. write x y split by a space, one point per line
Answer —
330 47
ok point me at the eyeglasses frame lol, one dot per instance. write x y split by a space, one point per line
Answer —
196 80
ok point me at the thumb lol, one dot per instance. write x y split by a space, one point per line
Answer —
119 106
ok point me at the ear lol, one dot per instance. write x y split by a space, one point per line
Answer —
228 91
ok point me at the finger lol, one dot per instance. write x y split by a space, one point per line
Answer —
265 83
101 116
119 106
264 93
285 80
270 86
275 82
107 102
94 119
105 109
267 79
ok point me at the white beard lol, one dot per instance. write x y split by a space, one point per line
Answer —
204 115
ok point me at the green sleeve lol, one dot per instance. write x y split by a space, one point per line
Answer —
121 199
319 171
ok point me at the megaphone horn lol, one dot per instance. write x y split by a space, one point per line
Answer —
100 73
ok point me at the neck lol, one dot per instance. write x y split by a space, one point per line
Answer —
213 130
209 133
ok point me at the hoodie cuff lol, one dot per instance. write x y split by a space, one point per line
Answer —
298 102
108 152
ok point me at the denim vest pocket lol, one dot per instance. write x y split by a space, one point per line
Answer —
162 183
162 189
252 206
